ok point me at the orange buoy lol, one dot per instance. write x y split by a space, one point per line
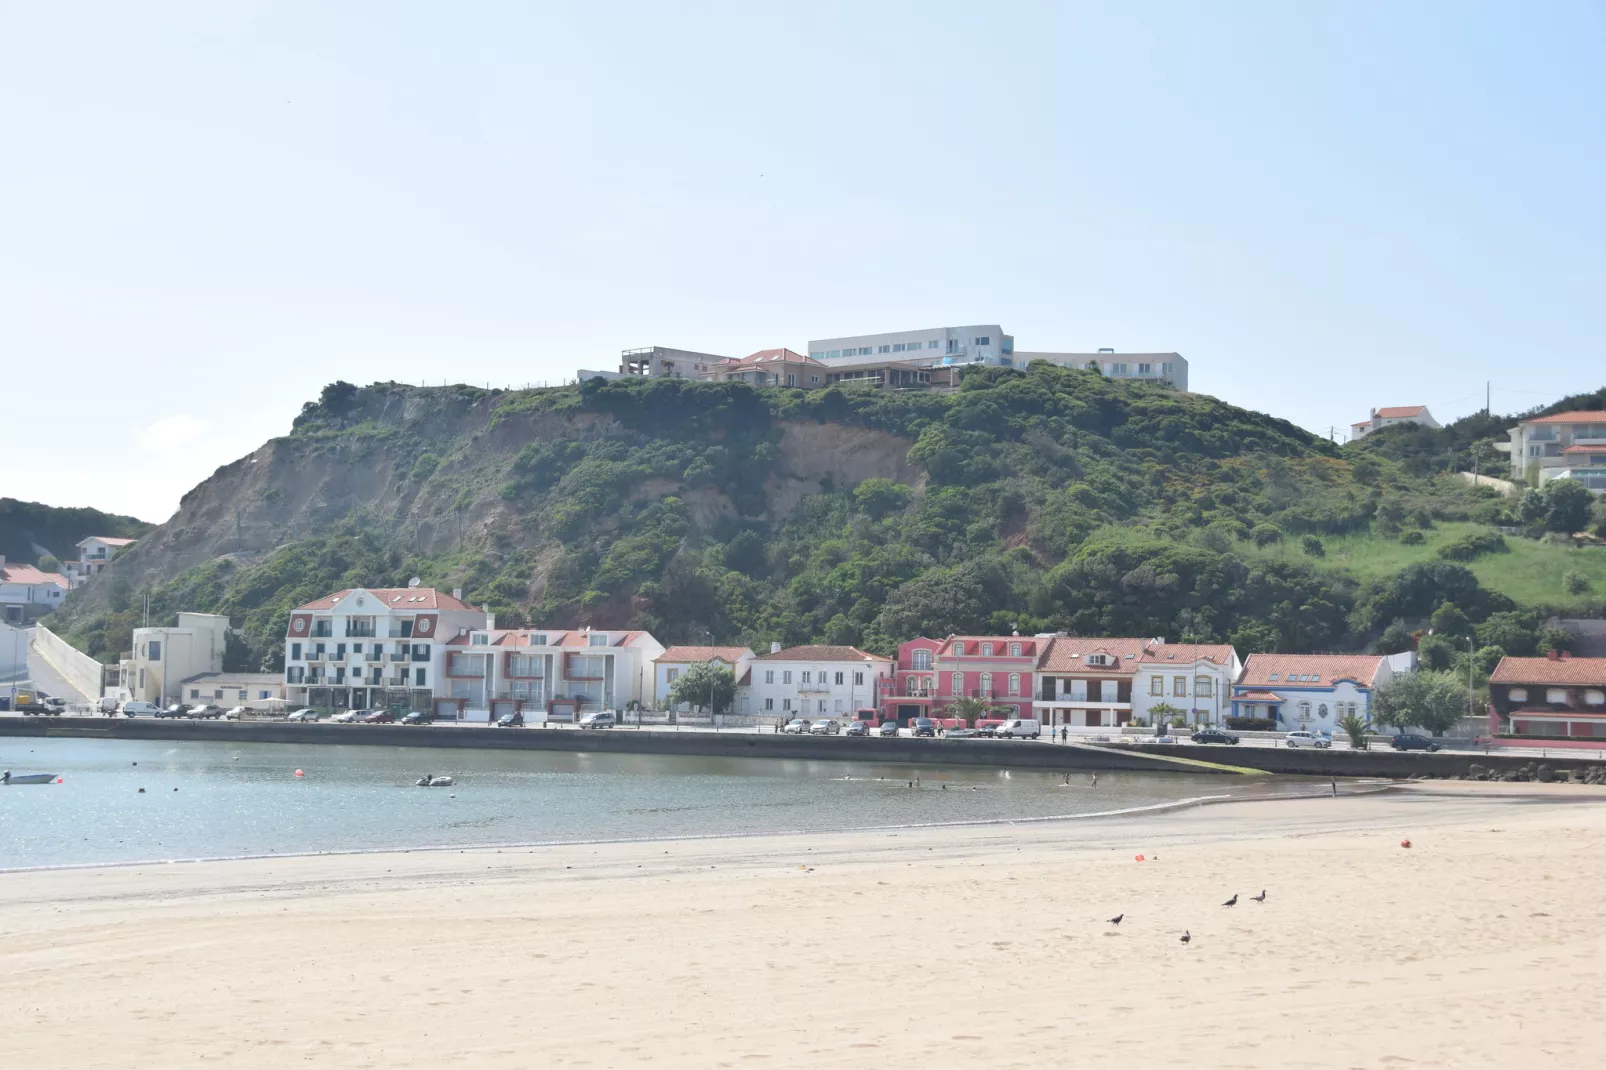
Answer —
1405 843
60 781
1139 858
300 773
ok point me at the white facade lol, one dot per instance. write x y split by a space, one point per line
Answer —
1311 692
1381 418
254 689
545 674
977 344
813 682
662 362
94 554
164 657
27 594
1195 679
1566 445
1169 369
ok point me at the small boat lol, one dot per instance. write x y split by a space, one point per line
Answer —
29 778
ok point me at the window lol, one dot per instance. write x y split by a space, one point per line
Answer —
1273 678
898 347
537 639
1556 696
1518 694
786 705
156 650
930 345
1304 711
786 676
885 349
420 651
1014 683
1145 369
599 639
1118 369
1156 685
340 674
806 675
922 660
984 340
816 380
419 677
1109 691
1595 698
958 685
987 684
1165 370
838 705
769 676
671 675
959 649
379 651
1179 686
195 692
819 706
1203 687
769 704
340 651
839 679
295 674
295 651
987 650
477 639
1014 650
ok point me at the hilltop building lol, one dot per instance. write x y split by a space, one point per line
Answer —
1565 445
770 367
1166 369
661 362
26 593
94 554
933 346
1381 418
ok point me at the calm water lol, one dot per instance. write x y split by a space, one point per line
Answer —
244 799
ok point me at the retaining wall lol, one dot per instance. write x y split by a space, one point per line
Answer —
71 664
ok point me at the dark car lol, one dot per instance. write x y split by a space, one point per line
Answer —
856 728
174 710
1214 735
923 726
888 728
418 717
1411 741
988 730
510 720
379 717
965 733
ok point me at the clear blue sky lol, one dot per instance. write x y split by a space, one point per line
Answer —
211 209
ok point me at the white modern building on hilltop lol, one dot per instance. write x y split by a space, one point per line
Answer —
1564 445
977 344
1166 369
94 554
1388 417
27 593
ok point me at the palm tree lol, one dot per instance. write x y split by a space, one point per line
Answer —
968 709
1355 728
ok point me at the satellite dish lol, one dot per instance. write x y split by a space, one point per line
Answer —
414 582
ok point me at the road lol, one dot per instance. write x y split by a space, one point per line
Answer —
47 680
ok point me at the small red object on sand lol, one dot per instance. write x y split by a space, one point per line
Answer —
1405 843
1139 858
59 780
300 773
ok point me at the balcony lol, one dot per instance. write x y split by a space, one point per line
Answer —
396 681
359 631
403 656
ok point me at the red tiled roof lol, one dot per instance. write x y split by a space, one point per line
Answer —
1542 671
1557 715
30 576
404 598
698 654
1028 646
1401 412
1259 696
1169 653
1584 449
1067 654
768 356
555 637
1569 418
109 540
1262 669
821 653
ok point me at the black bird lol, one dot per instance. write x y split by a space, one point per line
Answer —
1186 936
1232 902
1261 898
1117 919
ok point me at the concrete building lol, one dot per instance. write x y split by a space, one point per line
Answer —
1087 682
1558 695
1402 414
258 690
546 674
976 344
661 362
374 647
932 674
94 554
884 373
673 662
1566 445
771 367
814 682
27 594
1310 692
1166 369
164 657
1194 678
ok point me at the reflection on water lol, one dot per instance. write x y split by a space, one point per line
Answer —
207 800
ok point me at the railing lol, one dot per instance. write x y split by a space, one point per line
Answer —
360 633
403 656
324 632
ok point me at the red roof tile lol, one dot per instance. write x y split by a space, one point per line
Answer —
109 540
1584 449
1259 696
1028 646
1401 412
821 653
684 655
1263 669
1569 418
1069 653
769 356
1171 653
1561 671
30 576
403 598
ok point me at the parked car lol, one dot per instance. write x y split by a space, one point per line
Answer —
510 720
797 726
601 719
824 727
856 728
1020 728
419 717
1214 735
888 728
136 708
56 706
1306 739
177 709
205 712
234 713
1412 741
379 717
923 726
964 733
303 715
988 730
350 716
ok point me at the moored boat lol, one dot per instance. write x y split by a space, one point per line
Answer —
28 778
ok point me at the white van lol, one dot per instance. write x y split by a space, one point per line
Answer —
136 708
1019 728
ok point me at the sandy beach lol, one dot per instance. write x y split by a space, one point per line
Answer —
1482 945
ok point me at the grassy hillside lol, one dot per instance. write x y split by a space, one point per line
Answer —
25 527
1036 500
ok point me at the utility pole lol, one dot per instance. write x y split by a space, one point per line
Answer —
1486 397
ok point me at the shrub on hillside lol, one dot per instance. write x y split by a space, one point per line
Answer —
1313 546
1266 534
1473 546
1575 582
1413 538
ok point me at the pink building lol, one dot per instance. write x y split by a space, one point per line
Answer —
931 674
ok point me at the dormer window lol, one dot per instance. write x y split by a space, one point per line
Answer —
987 650
959 648
479 639
537 639
599 639
1014 650
1272 678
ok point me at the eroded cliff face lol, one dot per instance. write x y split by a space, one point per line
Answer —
429 465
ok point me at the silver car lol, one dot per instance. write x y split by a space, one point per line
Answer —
824 728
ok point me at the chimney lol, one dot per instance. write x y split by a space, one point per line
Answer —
775 648
490 618
1552 655
457 593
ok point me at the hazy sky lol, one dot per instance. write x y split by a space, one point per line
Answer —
208 210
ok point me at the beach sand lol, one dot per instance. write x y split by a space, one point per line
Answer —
1483 945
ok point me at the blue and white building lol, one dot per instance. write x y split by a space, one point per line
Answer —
1312 692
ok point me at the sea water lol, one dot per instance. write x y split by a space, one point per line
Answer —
219 799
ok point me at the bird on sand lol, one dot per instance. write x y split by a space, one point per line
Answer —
1186 936
1261 898
1117 919
1232 902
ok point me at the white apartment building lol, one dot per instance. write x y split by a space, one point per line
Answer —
1167 369
374 647
27 593
814 682
94 554
1196 679
673 662
1389 416
1566 445
546 674
977 344
164 657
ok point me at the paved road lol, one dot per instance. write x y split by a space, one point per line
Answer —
47 680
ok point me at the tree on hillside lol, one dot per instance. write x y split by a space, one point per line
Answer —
706 687
1432 701
49 563
878 497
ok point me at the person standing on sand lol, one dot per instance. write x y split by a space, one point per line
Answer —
1335 787
1095 781
1064 733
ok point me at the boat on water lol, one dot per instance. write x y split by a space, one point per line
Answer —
28 778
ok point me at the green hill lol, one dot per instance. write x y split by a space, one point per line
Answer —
1040 500
29 530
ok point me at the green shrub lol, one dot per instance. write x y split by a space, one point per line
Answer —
1413 538
1575 582
1313 546
1474 546
1252 724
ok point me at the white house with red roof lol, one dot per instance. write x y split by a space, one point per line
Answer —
26 593
1087 681
371 647
545 674
818 682
94 554
676 660
1556 696
932 674
1563 445
1388 417
1310 692
1195 678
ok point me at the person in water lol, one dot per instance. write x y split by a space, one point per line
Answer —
5 778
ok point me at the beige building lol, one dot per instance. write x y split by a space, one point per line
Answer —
1564 445
163 658
258 690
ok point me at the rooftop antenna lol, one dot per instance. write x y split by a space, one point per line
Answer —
414 582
